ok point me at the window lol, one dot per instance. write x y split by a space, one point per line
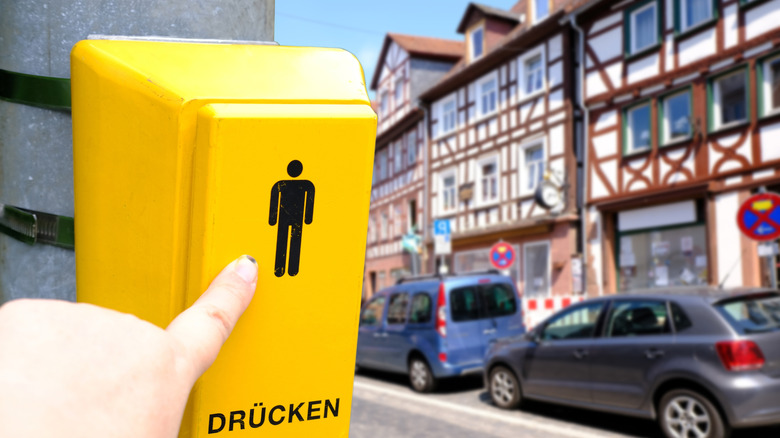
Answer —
421 309
372 313
383 224
398 156
531 72
498 300
676 123
448 116
680 319
532 168
382 158
533 75
637 132
448 192
383 103
397 223
487 188
464 304
729 95
487 90
752 313
399 92
396 309
643 28
541 9
694 13
576 323
412 218
411 148
477 43
537 269
771 85
381 280
638 318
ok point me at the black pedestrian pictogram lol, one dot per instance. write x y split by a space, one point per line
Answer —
292 205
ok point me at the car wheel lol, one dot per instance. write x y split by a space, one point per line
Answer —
505 388
683 413
420 375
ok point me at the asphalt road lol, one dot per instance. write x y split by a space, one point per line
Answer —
384 406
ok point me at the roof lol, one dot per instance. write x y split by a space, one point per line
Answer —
488 11
420 47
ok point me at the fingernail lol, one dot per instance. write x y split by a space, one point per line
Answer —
246 268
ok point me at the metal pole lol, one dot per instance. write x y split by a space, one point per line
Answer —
771 262
36 162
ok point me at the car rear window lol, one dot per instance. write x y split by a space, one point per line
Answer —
483 301
752 313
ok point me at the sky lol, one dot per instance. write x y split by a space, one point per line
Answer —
359 26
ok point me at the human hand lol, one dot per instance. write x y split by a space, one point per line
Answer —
78 370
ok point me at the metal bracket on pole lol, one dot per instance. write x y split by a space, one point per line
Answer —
30 226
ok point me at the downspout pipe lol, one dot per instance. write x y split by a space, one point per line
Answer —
426 195
584 136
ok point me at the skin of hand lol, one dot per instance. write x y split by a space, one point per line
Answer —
78 370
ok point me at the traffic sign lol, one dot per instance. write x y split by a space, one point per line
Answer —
759 216
442 243
502 255
441 226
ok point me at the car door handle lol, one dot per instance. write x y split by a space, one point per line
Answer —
580 353
380 335
652 353
488 331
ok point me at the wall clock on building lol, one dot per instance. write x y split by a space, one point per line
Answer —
548 195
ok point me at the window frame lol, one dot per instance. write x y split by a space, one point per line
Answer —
764 83
398 156
664 123
532 244
627 127
610 314
442 176
597 324
383 168
384 226
405 312
381 319
479 29
430 318
521 73
479 200
399 85
441 130
628 29
521 164
411 148
712 97
384 103
480 113
535 11
680 11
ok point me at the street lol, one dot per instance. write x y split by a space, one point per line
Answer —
384 406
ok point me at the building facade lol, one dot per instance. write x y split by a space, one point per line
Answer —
407 66
683 103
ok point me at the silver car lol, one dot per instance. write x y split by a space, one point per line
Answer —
699 361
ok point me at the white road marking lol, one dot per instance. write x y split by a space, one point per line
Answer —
524 422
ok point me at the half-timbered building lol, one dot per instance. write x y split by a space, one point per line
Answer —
407 65
683 104
500 121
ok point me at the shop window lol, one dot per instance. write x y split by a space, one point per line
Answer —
770 72
536 271
642 27
729 104
693 13
396 308
487 189
662 258
638 318
676 118
532 166
541 10
477 43
448 192
487 89
411 148
578 322
637 129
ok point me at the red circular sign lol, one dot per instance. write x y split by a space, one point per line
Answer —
759 216
502 255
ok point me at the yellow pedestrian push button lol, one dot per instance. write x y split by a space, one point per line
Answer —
187 155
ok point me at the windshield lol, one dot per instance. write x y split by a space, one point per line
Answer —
752 314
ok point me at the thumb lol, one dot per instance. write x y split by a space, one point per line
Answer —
205 326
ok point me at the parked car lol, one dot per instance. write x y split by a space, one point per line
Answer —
437 326
699 361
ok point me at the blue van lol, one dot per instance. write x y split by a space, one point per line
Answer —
437 326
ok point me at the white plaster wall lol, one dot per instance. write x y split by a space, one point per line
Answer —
606 22
555 100
606 120
770 146
555 47
643 68
761 19
697 47
555 74
729 248
595 259
597 187
605 145
594 85
610 170
556 140
608 45
730 26
615 72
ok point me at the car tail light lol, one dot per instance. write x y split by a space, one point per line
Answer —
443 357
740 355
441 316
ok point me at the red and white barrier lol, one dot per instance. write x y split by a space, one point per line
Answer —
535 310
